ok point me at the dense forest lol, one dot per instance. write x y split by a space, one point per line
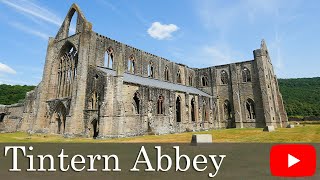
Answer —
301 96
13 94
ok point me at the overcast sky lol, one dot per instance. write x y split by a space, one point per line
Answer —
198 33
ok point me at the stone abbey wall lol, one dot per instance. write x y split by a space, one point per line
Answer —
97 87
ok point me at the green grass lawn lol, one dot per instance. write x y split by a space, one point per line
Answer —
303 133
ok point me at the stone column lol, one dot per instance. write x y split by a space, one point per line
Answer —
118 108
40 118
106 116
236 96
75 120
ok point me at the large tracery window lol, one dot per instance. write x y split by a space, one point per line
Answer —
67 70
246 76
108 58
224 77
250 109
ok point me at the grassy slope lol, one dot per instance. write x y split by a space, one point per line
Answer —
307 133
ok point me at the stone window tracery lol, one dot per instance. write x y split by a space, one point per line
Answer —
94 101
67 70
250 109
108 58
204 81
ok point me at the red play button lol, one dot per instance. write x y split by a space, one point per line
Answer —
293 160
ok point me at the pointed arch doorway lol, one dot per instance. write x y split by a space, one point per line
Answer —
60 118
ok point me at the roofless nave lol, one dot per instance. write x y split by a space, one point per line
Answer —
95 86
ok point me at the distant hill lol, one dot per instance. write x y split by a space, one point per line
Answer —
301 96
13 94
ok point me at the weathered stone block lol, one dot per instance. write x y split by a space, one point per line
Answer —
269 129
201 138
290 126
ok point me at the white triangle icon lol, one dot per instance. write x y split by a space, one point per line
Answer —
292 160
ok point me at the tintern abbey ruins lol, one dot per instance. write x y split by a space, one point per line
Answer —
93 86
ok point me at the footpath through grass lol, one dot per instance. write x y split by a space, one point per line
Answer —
306 133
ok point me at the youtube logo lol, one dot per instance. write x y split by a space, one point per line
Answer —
294 160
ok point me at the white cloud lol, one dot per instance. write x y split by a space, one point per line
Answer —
6 69
162 31
30 30
33 9
36 13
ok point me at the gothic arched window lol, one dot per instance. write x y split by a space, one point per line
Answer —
246 76
179 76
131 64
108 58
250 109
136 100
204 81
178 109
224 77
150 70
160 105
67 70
166 73
193 114
227 110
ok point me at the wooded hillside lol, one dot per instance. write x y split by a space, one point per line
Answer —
13 94
301 96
